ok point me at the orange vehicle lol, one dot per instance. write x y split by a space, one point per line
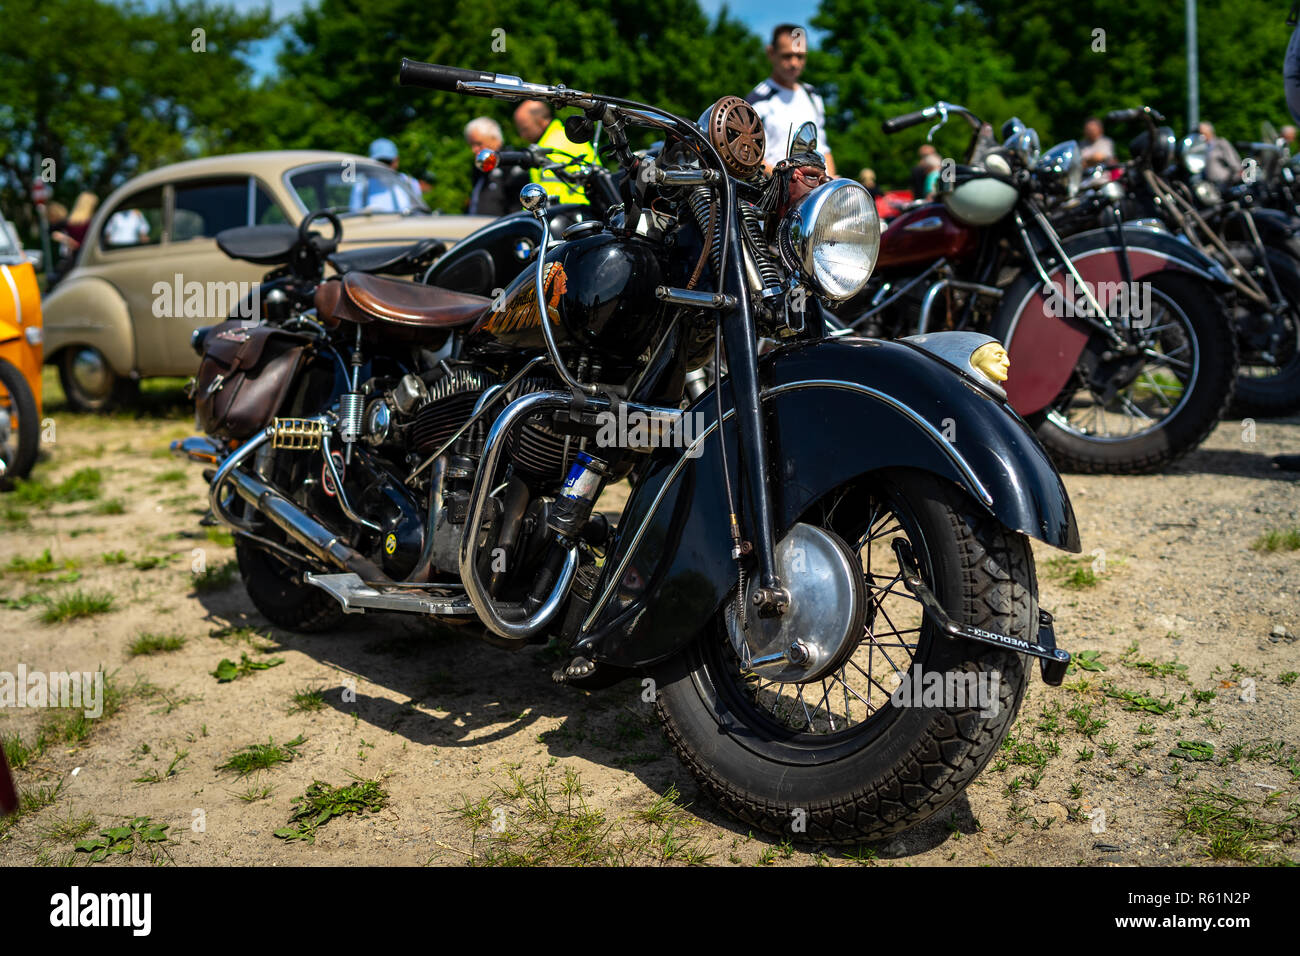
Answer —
20 359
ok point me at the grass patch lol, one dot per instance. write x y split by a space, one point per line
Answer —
1230 829
148 644
42 565
1278 540
216 578
113 506
114 557
228 670
173 768
547 821
257 757
83 485
75 605
323 802
67 828
220 536
173 475
151 561
30 800
306 700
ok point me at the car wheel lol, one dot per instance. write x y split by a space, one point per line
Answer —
89 382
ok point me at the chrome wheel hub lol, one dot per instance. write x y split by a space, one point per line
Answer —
91 373
825 617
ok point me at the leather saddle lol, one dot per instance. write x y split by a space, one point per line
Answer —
414 308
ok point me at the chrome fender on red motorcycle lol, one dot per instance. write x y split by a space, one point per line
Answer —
836 410
1042 332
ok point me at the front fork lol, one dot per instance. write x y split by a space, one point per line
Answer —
740 334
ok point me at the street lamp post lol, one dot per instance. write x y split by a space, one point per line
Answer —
1193 87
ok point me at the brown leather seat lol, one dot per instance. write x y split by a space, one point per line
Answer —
370 298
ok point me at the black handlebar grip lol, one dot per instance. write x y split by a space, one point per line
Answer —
516 157
435 77
1122 116
896 123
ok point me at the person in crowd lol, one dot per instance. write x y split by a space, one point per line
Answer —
867 177
1222 162
375 195
494 193
127 227
930 187
921 170
1098 148
536 124
1288 136
783 103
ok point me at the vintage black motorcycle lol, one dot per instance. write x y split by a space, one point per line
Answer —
1162 187
859 521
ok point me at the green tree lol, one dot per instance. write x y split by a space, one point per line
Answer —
338 85
106 91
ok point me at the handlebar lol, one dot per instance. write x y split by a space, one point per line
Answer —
896 123
1129 115
432 76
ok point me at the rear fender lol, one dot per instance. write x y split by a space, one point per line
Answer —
1043 334
836 410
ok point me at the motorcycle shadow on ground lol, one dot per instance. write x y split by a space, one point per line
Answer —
440 686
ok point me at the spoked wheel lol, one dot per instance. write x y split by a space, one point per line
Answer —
1268 382
1136 414
851 747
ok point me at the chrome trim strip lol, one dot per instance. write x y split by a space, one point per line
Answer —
889 400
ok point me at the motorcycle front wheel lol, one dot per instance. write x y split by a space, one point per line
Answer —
1156 407
1268 381
846 758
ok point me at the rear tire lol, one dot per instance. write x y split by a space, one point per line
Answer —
279 593
901 764
20 445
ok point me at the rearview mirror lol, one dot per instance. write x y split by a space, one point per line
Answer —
804 139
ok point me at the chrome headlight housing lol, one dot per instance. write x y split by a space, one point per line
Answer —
1192 151
832 238
1062 166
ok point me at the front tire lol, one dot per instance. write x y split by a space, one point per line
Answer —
844 781
20 427
1163 412
89 382
1275 392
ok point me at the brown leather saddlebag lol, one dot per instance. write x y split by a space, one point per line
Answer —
244 376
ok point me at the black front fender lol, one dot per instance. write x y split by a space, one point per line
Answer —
834 410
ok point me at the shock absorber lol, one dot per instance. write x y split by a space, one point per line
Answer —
754 242
700 200
352 404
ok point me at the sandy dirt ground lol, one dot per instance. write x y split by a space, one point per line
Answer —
481 758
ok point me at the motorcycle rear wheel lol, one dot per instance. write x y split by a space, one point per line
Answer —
277 590
1273 391
879 769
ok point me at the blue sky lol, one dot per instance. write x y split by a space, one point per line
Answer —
760 15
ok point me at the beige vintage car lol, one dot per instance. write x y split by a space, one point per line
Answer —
127 309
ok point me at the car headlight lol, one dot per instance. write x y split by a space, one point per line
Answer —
1062 165
833 237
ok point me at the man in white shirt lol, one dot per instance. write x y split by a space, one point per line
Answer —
783 103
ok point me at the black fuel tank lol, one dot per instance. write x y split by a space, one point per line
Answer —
600 296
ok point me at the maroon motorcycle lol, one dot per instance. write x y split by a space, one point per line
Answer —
1120 356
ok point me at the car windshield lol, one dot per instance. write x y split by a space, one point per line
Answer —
356 188
10 249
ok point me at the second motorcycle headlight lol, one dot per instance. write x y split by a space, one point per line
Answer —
833 238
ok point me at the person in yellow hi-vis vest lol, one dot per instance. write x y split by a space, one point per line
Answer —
536 124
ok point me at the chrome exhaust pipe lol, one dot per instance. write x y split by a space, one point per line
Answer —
287 516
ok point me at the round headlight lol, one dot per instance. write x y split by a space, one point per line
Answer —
833 237
1063 166
1192 150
